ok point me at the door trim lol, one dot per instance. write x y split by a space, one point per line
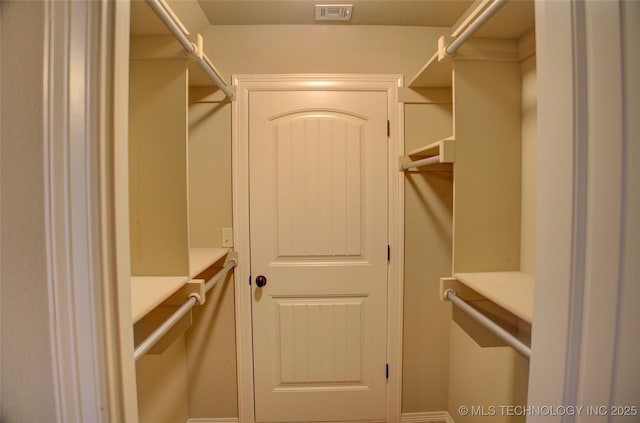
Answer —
240 159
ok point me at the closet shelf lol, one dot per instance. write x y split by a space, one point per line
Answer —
435 74
148 292
200 259
440 152
512 291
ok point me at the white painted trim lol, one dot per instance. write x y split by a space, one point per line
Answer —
72 131
115 224
426 417
555 209
84 129
395 299
245 84
582 195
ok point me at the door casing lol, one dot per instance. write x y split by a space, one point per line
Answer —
240 158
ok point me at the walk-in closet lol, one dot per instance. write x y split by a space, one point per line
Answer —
467 162
297 211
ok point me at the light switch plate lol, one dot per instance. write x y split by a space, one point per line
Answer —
227 237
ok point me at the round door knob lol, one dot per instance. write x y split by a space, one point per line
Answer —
261 281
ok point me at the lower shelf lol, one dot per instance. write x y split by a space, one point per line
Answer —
148 292
200 259
512 291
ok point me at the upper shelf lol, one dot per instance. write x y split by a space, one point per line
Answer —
436 74
512 291
512 21
155 20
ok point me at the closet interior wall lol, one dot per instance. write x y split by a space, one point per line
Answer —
428 242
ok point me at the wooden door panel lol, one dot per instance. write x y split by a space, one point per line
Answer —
318 171
318 215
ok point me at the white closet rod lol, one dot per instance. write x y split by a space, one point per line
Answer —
421 162
161 330
474 26
178 31
492 326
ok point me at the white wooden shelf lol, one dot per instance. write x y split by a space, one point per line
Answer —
148 292
434 74
512 291
439 152
200 259
443 148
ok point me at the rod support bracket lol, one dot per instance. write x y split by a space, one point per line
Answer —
194 288
232 256
198 47
451 284
442 49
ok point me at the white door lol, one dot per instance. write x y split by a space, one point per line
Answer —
318 216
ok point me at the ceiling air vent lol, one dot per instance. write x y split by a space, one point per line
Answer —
333 12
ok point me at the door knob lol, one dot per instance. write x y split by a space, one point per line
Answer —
261 281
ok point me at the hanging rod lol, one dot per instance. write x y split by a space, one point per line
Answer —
492 326
421 162
474 26
179 32
161 330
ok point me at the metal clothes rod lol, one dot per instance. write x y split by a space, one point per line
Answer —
161 330
178 32
492 326
421 162
475 25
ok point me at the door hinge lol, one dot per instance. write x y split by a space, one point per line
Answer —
387 371
249 280
388 128
388 253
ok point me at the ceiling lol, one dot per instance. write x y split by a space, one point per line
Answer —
512 20
365 12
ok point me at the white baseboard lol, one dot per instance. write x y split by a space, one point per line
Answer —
427 417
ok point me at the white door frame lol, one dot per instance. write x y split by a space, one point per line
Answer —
240 158
584 341
84 127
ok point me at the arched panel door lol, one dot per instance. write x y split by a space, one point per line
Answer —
318 215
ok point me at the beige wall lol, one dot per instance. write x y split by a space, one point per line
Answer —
428 238
163 385
211 341
319 49
26 373
487 377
